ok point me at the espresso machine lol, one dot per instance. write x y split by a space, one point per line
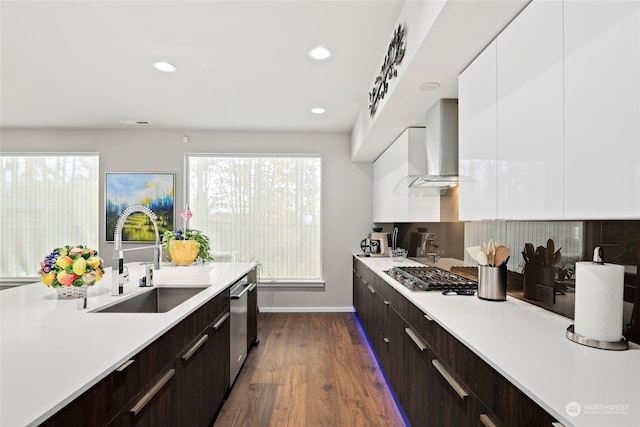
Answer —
376 244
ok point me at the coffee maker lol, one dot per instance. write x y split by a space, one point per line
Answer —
376 244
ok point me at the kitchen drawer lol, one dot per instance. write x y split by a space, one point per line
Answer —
507 404
420 322
462 362
395 298
365 273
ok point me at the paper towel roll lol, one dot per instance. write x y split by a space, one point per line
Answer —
599 301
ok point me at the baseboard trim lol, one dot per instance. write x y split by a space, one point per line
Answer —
306 309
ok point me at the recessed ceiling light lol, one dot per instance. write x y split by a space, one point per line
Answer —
165 66
429 86
319 53
318 110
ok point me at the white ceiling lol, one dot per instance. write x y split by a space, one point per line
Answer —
241 64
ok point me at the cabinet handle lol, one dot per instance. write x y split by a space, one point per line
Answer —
220 321
386 302
386 340
373 291
195 347
452 382
252 286
151 393
557 424
124 366
416 339
486 421
426 316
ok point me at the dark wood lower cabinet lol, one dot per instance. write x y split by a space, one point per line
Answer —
155 405
417 397
178 380
508 405
438 380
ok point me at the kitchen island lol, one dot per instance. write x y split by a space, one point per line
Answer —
526 345
51 352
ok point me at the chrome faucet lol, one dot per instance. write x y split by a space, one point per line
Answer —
119 278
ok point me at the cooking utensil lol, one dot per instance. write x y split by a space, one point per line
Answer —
502 253
473 252
491 252
482 258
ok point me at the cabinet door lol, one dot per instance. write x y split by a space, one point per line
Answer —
478 138
220 334
195 373
530 114
388 341
458 406
155 405
510 406
602 119
416 396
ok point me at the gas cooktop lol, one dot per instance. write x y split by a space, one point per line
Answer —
427 278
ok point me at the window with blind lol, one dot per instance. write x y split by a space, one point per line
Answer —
48 200
265 209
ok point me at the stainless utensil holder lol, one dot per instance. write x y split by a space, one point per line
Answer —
492 283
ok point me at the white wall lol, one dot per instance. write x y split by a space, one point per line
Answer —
347 188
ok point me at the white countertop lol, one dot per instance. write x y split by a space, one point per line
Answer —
527 345
51 352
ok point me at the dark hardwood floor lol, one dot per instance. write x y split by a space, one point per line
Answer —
310 369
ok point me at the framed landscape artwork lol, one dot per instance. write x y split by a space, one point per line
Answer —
154 190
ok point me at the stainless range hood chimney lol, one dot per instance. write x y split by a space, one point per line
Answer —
441 151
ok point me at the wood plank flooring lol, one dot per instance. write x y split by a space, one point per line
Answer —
310 370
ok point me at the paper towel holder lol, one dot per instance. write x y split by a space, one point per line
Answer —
623 344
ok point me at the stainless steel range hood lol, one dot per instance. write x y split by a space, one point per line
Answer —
441 145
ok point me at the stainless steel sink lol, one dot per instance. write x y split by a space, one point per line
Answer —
159 299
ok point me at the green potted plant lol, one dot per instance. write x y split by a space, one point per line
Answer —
184 246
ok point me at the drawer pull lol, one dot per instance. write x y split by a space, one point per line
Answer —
452 382
386 302
252 286
416 339
386 340
124 366
426 316
151 393
373 291
195 347
486 421
221 321
557 424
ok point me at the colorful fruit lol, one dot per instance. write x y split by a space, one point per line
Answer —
64 261
65 278
94 261
80 266
47 279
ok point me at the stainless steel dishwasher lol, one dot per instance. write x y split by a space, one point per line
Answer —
238 326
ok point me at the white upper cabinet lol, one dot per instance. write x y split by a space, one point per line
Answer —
602 109
478 138
530 114
405 156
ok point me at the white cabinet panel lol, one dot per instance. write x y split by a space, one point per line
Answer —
406 156
530 114
478 139
602 116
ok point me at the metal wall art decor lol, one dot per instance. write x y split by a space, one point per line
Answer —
393 58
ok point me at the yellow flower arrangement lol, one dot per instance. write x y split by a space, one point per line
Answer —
71 266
